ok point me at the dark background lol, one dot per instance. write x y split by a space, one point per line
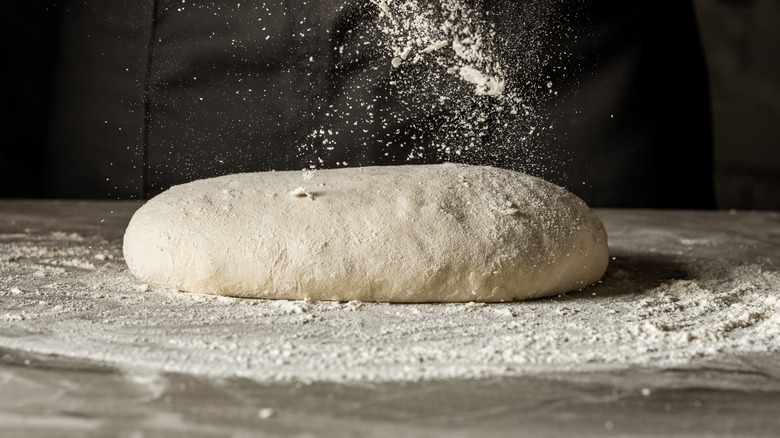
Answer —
743 57
739 39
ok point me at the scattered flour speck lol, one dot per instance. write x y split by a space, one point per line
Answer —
669 298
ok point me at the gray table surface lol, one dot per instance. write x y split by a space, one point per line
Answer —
47 395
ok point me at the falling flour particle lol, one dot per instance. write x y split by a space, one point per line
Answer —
383 6
486 85
435 46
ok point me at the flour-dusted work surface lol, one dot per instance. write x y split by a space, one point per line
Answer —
681 337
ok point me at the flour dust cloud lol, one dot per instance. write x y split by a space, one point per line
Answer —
453 80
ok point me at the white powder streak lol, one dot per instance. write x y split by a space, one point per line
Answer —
486 85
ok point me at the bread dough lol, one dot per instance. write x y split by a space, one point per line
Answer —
415 233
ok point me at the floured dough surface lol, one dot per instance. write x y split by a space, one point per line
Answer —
424 233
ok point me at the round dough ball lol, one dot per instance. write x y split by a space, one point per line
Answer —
416 233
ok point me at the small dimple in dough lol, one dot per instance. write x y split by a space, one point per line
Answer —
416 233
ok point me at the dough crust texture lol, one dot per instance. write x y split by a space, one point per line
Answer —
414 233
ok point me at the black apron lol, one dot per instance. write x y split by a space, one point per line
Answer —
148 95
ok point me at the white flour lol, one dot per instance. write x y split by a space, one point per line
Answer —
450 37
671 297
463 90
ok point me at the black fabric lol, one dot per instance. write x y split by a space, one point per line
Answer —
150 94
638 124
28 44
95 145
